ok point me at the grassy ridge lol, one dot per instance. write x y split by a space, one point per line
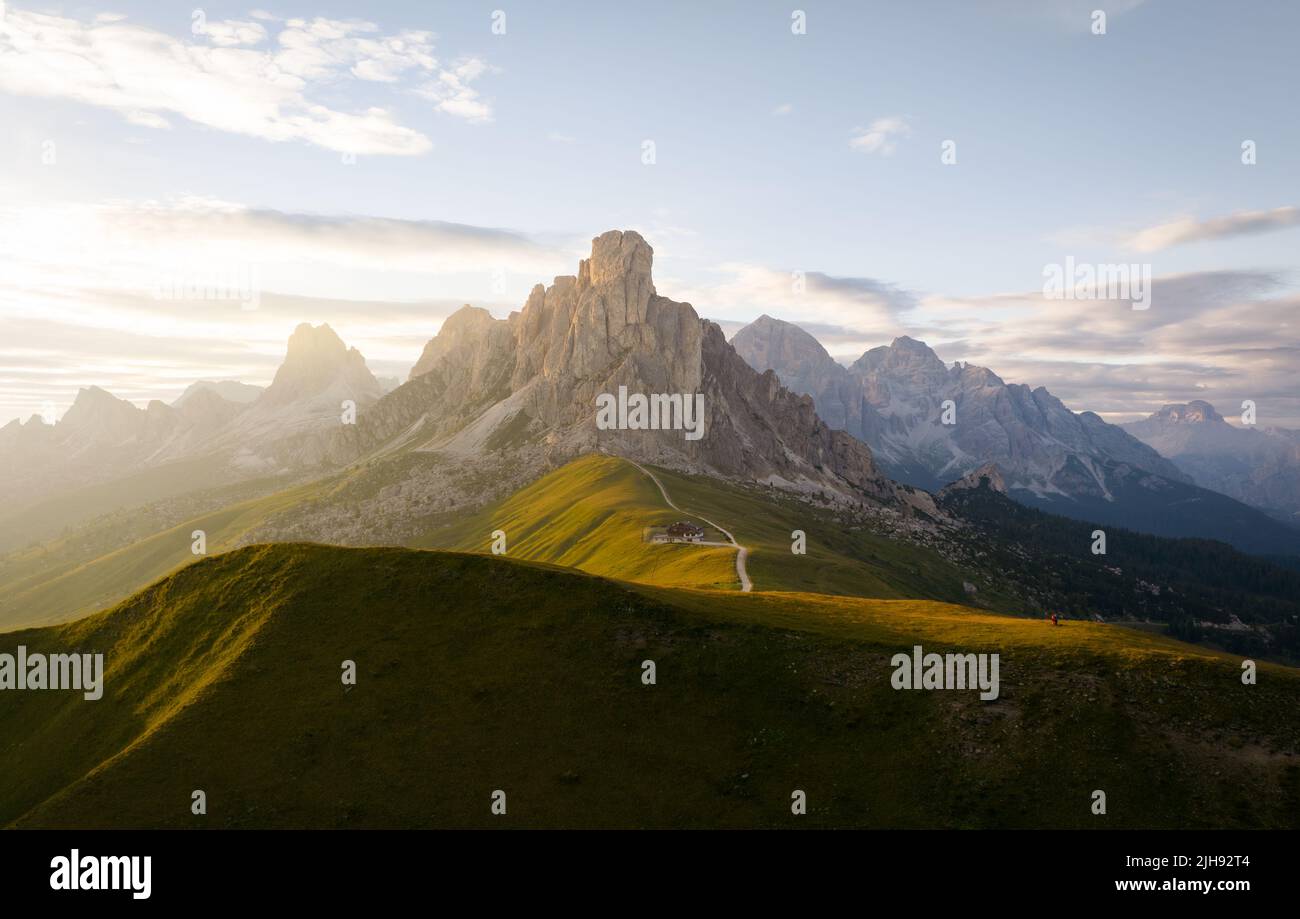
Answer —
48 517
839 560
589 515
36 594
478 673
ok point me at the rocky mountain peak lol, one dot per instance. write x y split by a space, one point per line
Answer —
228 390
910 344
94 395
531 385
467 318
459 330
768 343
614 291
310 342
316 363
1194 412
98 408
620 257
986 475
1257 466
893 398
903 355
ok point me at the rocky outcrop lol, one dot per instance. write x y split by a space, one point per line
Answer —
318 367
804 366
538 375
460 338
986 476
295 421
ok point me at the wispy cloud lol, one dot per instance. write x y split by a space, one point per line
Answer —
881 136
126 245
1223 336
118 294
228 32
1190 229
225 75
811 298
453 94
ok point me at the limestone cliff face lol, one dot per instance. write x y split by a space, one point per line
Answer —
535 378
464 348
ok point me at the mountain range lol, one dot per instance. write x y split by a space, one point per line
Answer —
929 423
519 395
1258 466
482 520
492 404
531 383
242 429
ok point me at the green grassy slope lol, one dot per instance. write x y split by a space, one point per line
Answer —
839 560
589 515
479 673
45 519
99 564
34 593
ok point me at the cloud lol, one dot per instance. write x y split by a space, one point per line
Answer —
51 359
229 32
784 109
1189 229
144 297
881 136
129 246
452 93
812 299
219 80
363 242
1222 336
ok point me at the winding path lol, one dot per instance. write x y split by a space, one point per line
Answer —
742 552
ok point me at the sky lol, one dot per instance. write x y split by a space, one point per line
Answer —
180 187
